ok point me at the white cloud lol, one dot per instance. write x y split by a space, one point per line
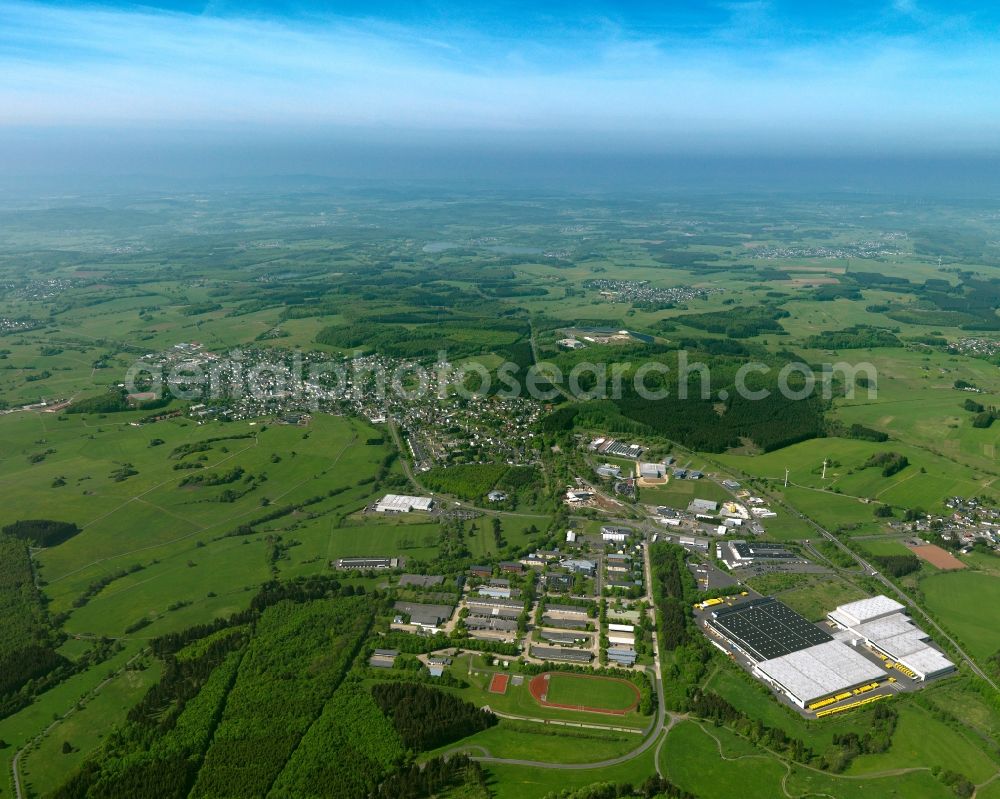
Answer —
65 66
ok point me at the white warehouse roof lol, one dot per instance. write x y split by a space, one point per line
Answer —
899 638
819 671
402 503
864 610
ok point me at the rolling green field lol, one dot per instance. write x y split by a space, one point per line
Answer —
183 519
958 600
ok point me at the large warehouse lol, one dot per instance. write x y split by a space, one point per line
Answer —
880 624
792 654
819 671
765 628
402 503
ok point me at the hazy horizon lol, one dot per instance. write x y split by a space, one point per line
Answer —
440 90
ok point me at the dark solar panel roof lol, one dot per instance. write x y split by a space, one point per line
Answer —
762 551
765 628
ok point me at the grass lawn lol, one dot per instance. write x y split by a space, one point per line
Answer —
887 546
922 740
758 703
24 725
692 761
524 740
944 474
47 766
575 689
821 596
679 493
520 782
958 600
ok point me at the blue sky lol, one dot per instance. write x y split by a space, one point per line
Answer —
879 77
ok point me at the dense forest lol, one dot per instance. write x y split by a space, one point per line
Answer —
235 699
426 718
27 640
42 532
348 750
853 338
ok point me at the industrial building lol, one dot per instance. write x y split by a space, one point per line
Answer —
703 506
383 658
620 449
555 653
402 503
564 623
421 580
491 623
816 670
693 542
765 628
429 616
621 656
880 624
617 534
566 639
366 563
568 610
652 471
825 670
791 654
744 553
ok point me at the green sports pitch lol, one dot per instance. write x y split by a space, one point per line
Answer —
578 690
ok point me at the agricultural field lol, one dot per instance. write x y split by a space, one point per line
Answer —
191 609
957 599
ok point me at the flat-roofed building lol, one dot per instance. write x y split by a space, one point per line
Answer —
556 653
880 624
421 580
564 622
622 656
617 534
566 638
383 658
652 471
864 610
365 563
827 669
403 503
703 506
567 610
581 565
424 615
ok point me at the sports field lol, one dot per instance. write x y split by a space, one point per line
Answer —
593 694
498 685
